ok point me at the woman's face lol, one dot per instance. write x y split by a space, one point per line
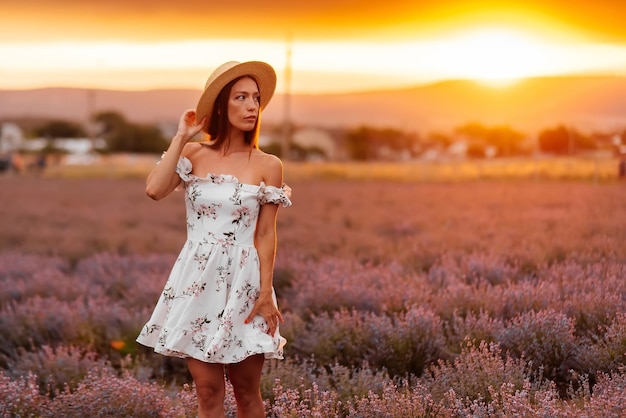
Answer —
243 104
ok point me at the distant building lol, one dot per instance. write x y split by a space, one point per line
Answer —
11 137
316 141
458 149
68 145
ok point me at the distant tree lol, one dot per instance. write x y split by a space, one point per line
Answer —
366 143
110 123
143 138
362 143
60 129
274 148
297 152
506 140
359 144
472 130
584 142
439 138
123 136
564 141
476 150
555 140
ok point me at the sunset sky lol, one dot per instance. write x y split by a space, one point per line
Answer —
336 45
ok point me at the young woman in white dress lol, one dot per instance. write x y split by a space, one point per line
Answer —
218 308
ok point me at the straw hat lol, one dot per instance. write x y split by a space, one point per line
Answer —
262 73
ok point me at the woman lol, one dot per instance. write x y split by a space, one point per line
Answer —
218 308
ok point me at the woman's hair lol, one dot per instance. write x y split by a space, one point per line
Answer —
220 126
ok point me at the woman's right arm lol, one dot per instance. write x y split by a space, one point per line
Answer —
163 178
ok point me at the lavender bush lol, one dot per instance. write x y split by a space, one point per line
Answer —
62 367
469 300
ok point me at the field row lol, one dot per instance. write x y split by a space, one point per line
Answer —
401 299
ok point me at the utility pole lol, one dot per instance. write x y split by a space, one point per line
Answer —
570 142
89 122
287 124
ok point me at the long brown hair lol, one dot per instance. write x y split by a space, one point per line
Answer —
220 126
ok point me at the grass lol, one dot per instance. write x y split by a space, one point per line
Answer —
597 169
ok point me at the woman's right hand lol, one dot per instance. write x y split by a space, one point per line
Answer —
163 178
188 126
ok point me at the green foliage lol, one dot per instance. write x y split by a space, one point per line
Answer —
555 140
504 139
273 148
123 136
60 129
366 143
439 138
564 141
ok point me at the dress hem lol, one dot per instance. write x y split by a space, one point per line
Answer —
170 353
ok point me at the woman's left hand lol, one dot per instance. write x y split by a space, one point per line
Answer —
266 307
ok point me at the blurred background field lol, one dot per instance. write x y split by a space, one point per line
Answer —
81 209
601 168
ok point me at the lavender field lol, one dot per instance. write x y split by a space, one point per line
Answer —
482 298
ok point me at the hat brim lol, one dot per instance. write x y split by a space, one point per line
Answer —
261 72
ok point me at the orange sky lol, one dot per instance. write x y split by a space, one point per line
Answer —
198 35
322 19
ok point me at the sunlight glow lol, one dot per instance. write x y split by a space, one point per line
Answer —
118 55
499 57
491 55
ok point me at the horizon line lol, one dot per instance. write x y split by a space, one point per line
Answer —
494 85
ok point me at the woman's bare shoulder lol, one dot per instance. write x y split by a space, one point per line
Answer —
191 148
270 165
195 151
269 160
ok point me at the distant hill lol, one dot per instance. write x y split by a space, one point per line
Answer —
533 104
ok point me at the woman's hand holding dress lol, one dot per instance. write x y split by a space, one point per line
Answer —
266 307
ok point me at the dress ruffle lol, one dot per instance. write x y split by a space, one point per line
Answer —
267 193
183 168
277 195
217 332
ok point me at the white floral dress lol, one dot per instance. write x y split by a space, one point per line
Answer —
215 281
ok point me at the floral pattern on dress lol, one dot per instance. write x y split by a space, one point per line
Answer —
215 280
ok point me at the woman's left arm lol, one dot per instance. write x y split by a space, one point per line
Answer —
265 243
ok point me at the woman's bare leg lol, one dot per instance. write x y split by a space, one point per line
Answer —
210 389
246 379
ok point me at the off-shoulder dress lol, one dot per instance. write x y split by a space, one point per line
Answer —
215 280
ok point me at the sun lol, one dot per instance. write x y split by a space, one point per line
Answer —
497 56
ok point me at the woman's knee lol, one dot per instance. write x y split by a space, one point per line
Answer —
209 381
210 394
